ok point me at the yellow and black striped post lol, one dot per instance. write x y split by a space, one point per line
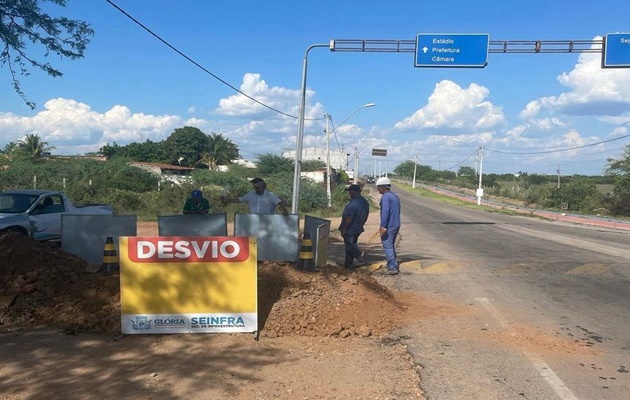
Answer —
306 260
110 258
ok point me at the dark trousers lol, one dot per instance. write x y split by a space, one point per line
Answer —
352 249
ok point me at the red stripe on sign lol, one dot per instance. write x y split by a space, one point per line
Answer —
188 249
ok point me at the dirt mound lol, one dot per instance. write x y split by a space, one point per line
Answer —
41 286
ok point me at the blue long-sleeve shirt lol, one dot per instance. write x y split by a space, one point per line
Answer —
354 216
390 211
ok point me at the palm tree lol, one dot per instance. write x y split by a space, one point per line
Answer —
8 150
220 151
32 145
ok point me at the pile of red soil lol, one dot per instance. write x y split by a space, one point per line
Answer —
42 286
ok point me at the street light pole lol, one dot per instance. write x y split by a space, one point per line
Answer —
300 134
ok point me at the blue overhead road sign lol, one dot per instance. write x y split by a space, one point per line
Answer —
452 50
616 51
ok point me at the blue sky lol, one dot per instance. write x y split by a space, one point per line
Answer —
131 87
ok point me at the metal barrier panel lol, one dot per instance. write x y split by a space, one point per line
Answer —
321 248
85 235
276 234
319 231
193 225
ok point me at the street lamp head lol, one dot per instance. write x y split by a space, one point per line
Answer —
369 105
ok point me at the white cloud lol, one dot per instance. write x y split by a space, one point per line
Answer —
451 106
546 124
72 126
66 123
593 90
279 98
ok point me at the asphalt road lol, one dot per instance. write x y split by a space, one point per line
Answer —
524 308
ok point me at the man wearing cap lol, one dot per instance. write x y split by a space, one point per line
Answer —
196 203
390 222
260 200
354 216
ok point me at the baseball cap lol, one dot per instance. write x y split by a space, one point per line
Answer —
354 188
256 180
196 193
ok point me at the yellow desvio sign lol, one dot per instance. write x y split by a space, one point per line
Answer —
173 284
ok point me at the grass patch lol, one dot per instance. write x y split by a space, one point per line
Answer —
504 210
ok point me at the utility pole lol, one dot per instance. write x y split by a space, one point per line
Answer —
328 191
356 166
480 189
415 166
558 171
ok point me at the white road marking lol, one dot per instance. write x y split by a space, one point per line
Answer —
543 369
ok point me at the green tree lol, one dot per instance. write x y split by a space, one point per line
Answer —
620 166
9 150
185 146
580 194
466 171
220 151
620 169
405 169
271 164
23 22
32 145
313 165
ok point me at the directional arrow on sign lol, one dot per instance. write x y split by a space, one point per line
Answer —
425 49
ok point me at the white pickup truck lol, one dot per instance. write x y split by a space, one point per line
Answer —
37 213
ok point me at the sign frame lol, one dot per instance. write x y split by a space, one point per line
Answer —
471 48
379 152
612 48
207 284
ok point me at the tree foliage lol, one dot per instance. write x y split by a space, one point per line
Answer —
619 202
313 165
219 151
406 169
23 22
271 164
32 146
185 146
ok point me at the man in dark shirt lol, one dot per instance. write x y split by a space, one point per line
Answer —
196 203
354 216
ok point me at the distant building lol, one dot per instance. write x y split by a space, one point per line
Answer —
244 163
338 161
73 157
171 173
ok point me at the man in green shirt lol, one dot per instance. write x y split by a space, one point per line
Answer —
196 203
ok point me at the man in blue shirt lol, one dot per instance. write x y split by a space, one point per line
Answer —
354 216
390 223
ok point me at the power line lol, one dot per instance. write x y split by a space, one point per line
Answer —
560 150
200 66
334 131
